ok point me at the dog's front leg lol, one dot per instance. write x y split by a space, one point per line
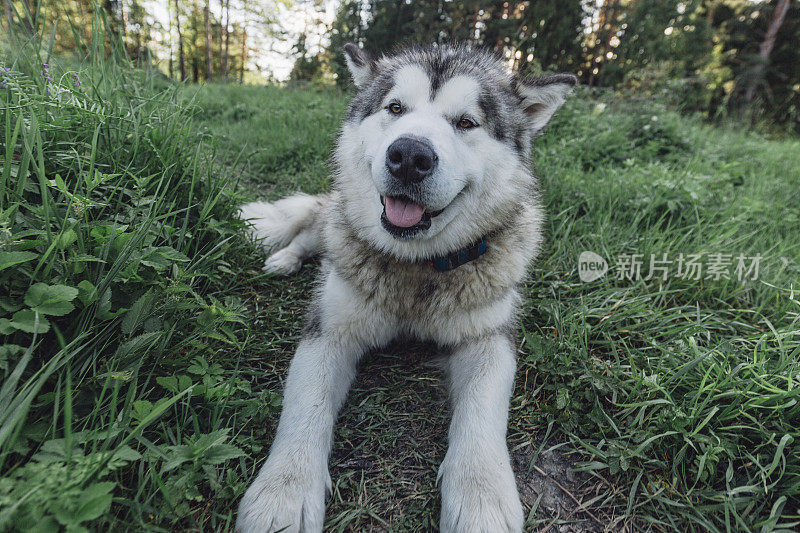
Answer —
289 492
479 493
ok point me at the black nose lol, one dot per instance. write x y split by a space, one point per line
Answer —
411 160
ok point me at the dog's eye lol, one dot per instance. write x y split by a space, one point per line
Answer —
465 123
394 108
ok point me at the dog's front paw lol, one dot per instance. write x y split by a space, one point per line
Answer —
284 262
283 500
479 498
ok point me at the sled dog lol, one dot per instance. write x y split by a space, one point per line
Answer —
432 223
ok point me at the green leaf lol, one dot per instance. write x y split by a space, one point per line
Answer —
142 408
51 299
159 262
168 382
9 259
220 453
137 314
152 324
8 305
172 254
87 292
562 398
41 292
126 453
162 257
215 438
145 341
85 258
56 450
6 327
184 382
25 320
97 500
55 308
10 350
104 306
66 238
179 455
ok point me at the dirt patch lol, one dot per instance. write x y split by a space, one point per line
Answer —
388 443
548 482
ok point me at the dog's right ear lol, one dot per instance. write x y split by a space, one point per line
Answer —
359 63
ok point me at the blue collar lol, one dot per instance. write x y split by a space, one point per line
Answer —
460 257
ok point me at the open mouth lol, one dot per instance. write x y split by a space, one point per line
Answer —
404 218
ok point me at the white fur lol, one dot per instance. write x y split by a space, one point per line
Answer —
449 330
458 96
476 172
547 98
277 223
360 73
288 260
283 225
477 483
479 493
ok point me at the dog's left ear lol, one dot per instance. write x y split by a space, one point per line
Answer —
359 63
542 96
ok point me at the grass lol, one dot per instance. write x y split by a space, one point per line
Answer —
150 397
276 137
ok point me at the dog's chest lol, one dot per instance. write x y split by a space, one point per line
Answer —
418 292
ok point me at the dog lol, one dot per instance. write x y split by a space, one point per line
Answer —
432 223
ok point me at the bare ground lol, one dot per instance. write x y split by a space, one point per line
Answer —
391 437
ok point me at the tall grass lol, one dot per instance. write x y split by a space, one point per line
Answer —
115 237
678 395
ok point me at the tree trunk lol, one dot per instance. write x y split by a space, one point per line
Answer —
181 55
710 9
244 54
221 33
123 25
209 67
227 38
9 9
607 26
171 47
764 51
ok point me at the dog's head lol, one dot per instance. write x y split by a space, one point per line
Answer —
434 152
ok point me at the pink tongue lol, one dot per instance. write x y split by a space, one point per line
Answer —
402 213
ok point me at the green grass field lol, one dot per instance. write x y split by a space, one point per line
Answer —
143 350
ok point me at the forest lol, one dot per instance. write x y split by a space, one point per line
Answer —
718 58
